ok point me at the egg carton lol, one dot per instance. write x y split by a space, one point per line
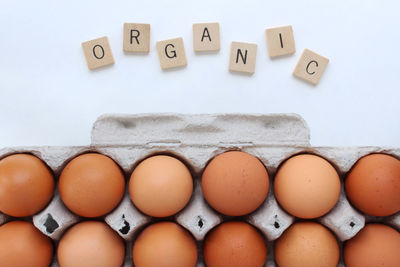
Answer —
196 139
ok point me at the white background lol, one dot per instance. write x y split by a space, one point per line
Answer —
49 97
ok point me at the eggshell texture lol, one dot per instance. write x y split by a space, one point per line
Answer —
26 185
307 244
91 244
164 244
91 185
160 186
235 183
234 244
375 245
307 186
373 185
22 245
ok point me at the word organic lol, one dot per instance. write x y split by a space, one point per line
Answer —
206 38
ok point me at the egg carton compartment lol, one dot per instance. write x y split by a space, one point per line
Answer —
196 139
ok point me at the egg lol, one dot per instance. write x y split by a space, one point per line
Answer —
235 183
26 185
307 244
91 244
91 185
234 244
164 244
161 186
375 245
307 186
373 185
22 245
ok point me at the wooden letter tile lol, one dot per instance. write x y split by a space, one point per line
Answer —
171 53
98 53
280 41
136 37
243 57
206 37
310 67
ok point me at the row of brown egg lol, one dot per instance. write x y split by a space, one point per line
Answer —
233 183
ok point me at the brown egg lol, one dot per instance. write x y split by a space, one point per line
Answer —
91 185
164 244
375 245
235 183
91 244
234 244
160 186
22 245
373 185
307 244
307 186
26 185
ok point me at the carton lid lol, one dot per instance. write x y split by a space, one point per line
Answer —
167 129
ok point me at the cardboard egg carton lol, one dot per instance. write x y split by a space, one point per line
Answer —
196 139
